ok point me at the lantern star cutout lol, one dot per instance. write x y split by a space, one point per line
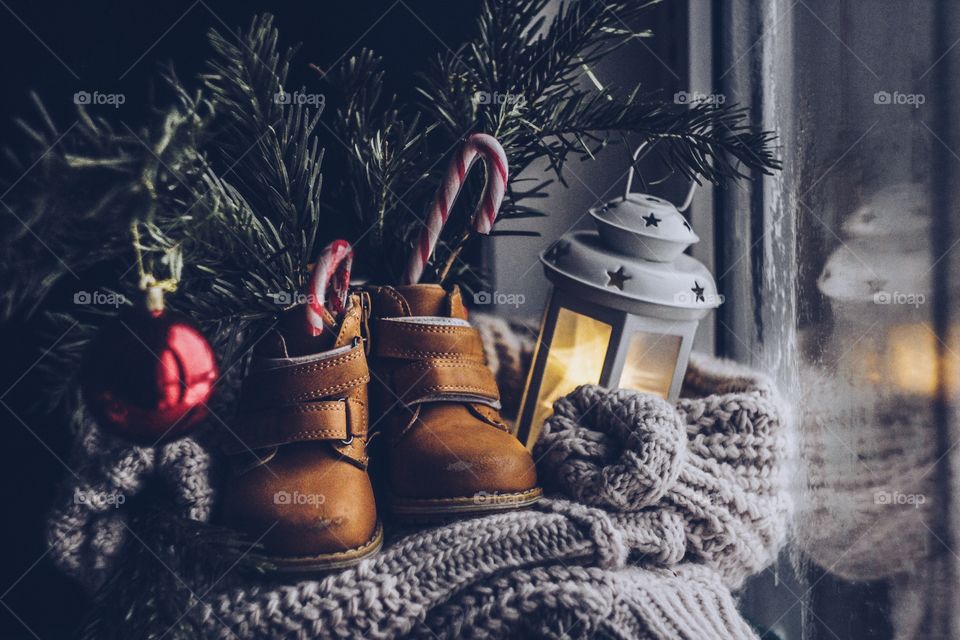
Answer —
698 291
651 220
687 225
618 278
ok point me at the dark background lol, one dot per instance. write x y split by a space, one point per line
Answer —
59 48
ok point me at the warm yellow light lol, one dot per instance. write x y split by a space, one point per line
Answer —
651 362
576 357
907 360
913 358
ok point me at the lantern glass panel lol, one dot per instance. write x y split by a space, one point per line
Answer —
576 356
651 363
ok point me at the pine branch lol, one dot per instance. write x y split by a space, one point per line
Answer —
385 161
72 210
227 180
267 144
541 69
527 80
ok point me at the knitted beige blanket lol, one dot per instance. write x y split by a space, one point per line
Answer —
655 513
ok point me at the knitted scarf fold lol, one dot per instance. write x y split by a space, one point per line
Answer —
706 490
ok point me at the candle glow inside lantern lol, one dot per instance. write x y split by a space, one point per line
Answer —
624 309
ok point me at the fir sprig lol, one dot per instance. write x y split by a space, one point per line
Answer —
529 80
72 210
386 170
227 179
266 141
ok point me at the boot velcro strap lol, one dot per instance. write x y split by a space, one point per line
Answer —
305 422
433 378
396 338
307 382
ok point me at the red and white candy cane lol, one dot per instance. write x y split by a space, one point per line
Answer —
495 161
329 285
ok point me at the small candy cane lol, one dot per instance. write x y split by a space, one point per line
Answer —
495 161
331 274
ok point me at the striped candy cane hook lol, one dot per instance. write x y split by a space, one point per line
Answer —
497 171
329 285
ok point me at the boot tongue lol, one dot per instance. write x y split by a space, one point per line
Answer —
299 341
433 300
297 336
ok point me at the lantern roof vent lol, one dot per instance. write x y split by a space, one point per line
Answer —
646 226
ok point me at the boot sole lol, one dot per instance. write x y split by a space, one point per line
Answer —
326 562
429 509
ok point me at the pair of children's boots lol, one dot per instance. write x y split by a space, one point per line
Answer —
397 397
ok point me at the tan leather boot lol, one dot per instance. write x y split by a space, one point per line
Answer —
443 448
298 480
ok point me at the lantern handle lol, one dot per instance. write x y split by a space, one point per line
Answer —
633 167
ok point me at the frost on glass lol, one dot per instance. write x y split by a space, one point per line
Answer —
870 360
871 364
867 417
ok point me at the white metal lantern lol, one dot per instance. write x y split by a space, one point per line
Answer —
624 309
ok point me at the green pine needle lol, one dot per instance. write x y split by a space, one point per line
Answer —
526 80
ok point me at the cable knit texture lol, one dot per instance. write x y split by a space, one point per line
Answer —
616 449
655 513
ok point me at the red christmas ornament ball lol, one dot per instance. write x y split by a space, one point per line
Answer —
148 376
